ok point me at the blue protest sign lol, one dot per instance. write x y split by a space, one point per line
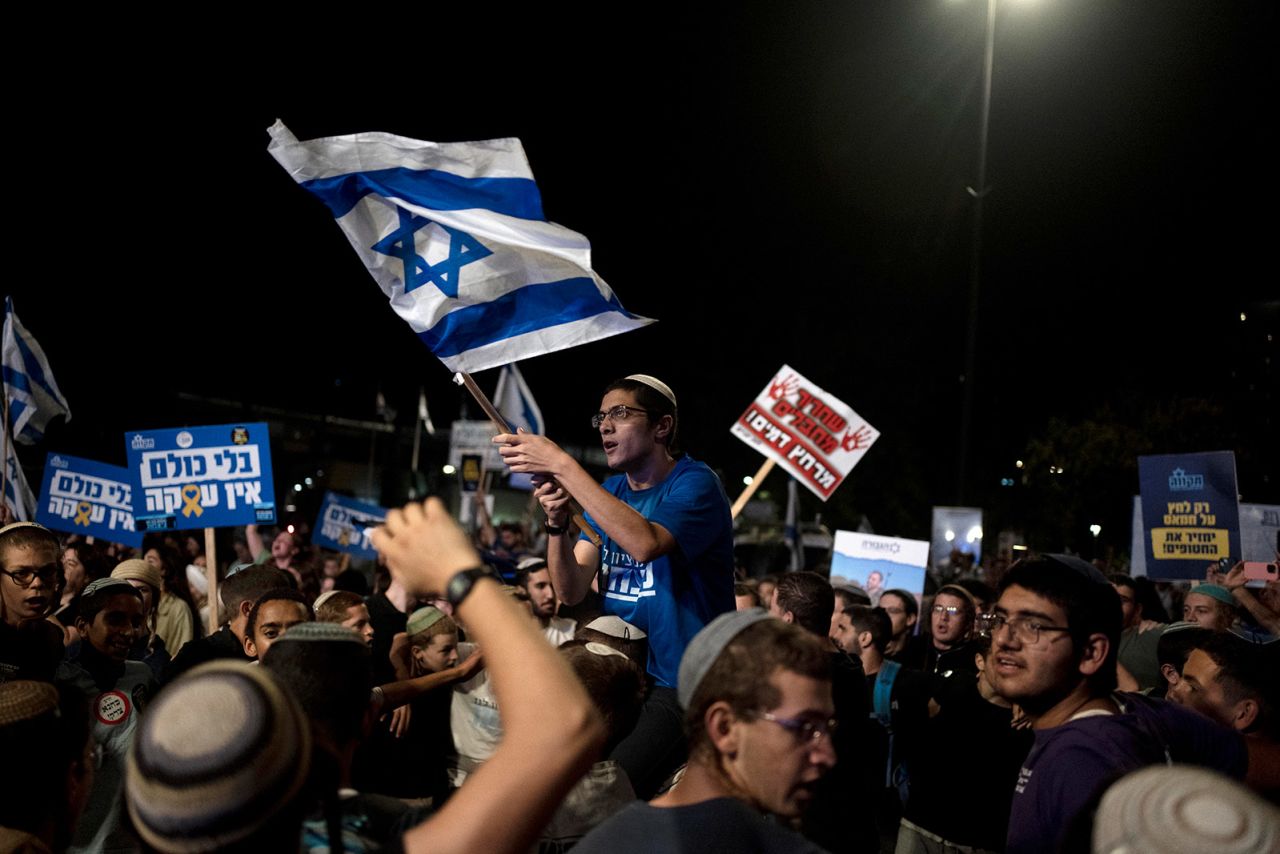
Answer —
201 477
87 497
1190 515
344 525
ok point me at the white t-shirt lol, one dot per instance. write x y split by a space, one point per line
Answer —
474 718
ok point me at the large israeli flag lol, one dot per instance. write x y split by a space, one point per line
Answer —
32 395
454 235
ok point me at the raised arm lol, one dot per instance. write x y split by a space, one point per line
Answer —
253 540
405 690
1235 582
552 733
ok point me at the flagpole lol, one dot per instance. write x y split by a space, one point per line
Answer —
761 474
417 434
8 448
464 379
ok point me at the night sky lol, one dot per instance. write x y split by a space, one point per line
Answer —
773 182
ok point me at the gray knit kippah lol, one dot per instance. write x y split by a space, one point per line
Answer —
218 755
707 645
313 631
1183 810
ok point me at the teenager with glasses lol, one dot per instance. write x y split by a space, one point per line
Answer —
665 563
30 645
758 709
1054 636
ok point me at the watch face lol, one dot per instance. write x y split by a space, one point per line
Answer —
460 585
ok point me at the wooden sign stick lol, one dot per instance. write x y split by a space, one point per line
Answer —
760 475
464 379
211 573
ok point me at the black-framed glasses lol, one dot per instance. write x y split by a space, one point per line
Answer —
949 610
1026 629
23 577
804 729
621 412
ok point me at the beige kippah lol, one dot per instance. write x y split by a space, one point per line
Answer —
138 570
655 384
423 619
7 528
22 700
1183 810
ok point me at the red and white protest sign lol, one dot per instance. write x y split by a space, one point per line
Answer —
815 436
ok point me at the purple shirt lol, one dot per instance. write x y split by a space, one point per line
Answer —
1069 765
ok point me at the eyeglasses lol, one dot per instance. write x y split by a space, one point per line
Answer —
804 729
621 412
1026 629
949 610
23 577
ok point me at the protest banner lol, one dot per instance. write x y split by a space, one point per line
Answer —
1190 515
814 436
201 477
474 437
470 472
1259 528
87 497
880 563
345 525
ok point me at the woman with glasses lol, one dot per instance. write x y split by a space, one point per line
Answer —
665 562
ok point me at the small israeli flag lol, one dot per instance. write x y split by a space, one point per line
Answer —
454 235
32 395
515 401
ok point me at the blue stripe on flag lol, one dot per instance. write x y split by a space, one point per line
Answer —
34 369
523 310
430 188
15 379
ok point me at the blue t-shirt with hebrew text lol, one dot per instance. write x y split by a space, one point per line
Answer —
672 597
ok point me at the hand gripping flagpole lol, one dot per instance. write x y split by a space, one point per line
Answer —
464 379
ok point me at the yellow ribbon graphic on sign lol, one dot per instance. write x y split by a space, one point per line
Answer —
82 513
191 495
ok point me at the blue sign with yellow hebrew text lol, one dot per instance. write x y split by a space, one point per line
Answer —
87 497
1190 513
201 477
345 524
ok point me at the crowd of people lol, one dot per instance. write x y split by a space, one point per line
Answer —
621 690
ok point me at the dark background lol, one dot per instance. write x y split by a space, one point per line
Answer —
773 182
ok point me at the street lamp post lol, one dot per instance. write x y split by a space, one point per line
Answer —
978 191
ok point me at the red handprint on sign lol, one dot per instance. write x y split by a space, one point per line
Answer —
856 439
784 387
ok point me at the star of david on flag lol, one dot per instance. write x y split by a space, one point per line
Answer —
454 235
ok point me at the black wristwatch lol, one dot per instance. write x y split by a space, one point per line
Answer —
553 530
460 585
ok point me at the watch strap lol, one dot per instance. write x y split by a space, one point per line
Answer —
460 585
